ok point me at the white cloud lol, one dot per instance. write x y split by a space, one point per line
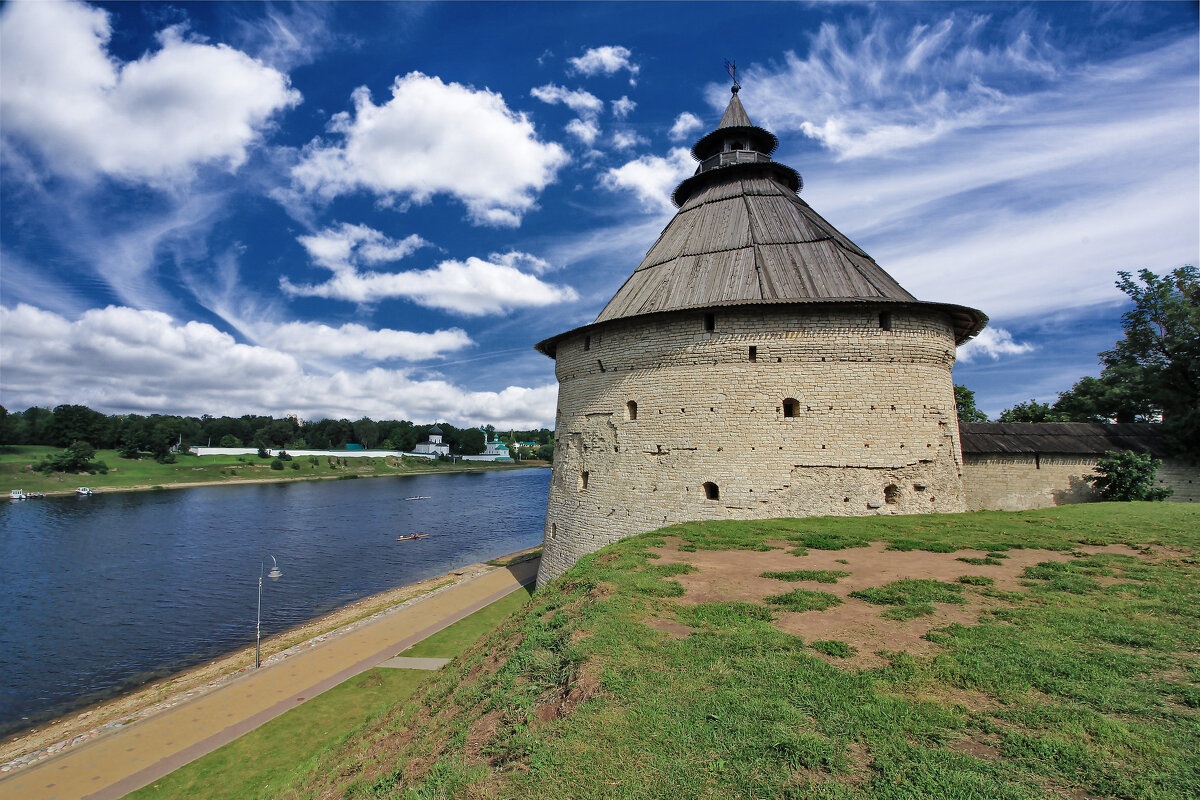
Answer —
120 360
606 60
339 247
434 138
152 119
290 37
623 107
624 140
351 339
585 130
685 125
878 90
652 178
579 101
472 288
992 343
1036 212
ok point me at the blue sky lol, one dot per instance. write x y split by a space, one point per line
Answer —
378 208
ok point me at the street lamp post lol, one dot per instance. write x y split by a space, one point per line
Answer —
274 575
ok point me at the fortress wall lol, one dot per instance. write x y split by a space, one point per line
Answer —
1003 482
1181 476
1018 482
875 409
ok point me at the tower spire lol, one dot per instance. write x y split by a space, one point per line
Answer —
731 68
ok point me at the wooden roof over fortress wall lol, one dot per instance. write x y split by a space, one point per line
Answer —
1062 438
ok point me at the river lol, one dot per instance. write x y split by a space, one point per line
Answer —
101 594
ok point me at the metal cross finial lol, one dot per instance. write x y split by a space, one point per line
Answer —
731 68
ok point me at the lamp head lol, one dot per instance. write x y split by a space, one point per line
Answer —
275 573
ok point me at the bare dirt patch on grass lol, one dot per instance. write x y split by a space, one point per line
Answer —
674 629
736 575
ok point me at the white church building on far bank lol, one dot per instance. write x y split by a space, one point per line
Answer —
495 450
434 444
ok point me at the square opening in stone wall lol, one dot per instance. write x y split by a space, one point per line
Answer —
710 322
712 491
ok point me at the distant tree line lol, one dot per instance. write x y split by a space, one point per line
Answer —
133 435
1151 375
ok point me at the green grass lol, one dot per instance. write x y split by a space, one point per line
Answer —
1053 693
911 591
805 600
16 472
258 764
450 641
834 648
817 575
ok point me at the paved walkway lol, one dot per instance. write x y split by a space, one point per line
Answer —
400 662
115 764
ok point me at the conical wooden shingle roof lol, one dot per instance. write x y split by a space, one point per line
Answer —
743 236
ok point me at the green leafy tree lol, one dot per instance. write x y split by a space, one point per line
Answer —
229 440
277 433
366 431
1127 476
470 441
1116 395
76 458
1033 411
964 399
76 423
129 448
1161 347
37 425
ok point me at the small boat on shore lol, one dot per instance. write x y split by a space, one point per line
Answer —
414 536
85 491
17 494
418 497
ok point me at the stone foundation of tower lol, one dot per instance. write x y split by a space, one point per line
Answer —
750 412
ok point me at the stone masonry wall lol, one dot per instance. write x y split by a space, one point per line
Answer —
1019 482
874 427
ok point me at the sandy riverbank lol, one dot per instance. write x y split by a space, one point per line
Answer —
238 481
85 724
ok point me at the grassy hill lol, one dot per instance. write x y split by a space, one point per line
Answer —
1051 653
17 461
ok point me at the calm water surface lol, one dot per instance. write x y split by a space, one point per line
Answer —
99 594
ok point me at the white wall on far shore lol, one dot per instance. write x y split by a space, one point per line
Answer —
250 451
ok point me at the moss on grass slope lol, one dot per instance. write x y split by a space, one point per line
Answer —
605 686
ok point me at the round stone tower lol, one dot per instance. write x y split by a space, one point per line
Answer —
757 364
